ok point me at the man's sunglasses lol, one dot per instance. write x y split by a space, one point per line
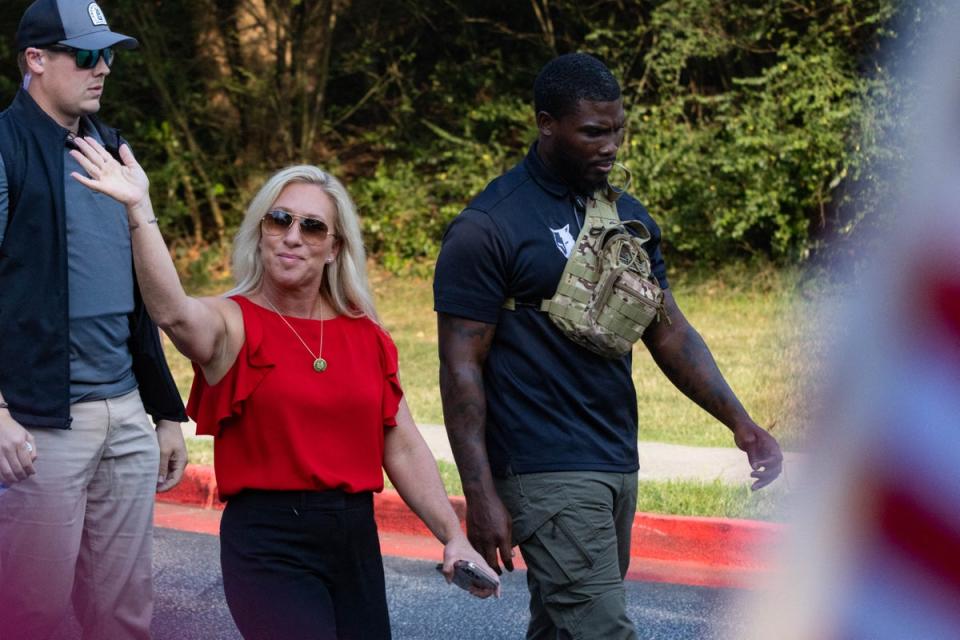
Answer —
277 223
86 58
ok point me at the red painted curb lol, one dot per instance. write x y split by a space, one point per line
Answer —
680 549
198 487
720 542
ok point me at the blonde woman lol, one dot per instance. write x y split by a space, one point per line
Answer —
297 382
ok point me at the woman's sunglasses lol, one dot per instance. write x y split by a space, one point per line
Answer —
277 223
86 58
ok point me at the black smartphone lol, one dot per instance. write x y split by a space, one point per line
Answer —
466 574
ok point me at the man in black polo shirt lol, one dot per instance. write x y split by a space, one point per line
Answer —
543 430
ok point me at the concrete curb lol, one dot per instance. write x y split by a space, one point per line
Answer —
715 552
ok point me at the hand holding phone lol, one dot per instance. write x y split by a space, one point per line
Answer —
472 578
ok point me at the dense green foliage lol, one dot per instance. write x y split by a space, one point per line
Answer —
751 124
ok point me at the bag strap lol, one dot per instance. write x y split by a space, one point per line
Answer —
600 216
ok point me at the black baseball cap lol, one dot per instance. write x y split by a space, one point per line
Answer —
74 23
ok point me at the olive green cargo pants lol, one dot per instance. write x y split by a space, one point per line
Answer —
573 529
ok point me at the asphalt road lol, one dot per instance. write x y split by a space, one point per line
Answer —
190 603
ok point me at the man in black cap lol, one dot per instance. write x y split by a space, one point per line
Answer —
81 364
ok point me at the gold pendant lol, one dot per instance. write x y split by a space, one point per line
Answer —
319 365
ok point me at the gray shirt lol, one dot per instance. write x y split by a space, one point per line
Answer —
100 281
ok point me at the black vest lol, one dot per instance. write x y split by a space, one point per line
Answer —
34 310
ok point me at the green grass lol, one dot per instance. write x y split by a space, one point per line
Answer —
674 497
405 305
180 367
200 450
715 499
752 320
747 317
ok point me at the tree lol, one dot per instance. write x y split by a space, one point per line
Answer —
752 125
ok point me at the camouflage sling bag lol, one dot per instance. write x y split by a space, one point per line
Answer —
607 295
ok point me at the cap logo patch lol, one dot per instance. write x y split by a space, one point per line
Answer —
96 15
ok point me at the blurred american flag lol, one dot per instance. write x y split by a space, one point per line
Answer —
874 548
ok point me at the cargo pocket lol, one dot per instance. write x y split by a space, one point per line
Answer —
567 549
561 539
564 538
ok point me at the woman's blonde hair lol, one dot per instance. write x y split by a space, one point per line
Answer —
344 279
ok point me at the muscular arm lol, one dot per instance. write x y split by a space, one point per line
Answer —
683 356
464 345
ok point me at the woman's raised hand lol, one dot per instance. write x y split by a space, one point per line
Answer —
126 183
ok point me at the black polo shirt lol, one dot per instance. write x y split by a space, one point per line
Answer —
551 404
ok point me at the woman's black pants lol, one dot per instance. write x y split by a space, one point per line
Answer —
303 565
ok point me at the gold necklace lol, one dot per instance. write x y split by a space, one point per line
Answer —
319 364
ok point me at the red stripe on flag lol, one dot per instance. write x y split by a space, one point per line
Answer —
946 303
929 539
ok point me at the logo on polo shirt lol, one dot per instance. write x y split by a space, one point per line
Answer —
96 15
563 240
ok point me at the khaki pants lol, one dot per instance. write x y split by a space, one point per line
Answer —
81 528
573 529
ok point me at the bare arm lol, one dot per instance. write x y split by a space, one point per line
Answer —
205 330
464 345
413 471
683 356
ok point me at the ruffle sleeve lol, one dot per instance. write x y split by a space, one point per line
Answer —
213 407
392 391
